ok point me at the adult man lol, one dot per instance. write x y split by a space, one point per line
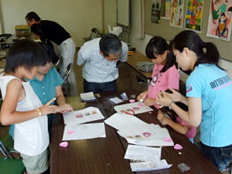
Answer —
57 34
100 58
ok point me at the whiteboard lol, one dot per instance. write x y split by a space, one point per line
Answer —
123 12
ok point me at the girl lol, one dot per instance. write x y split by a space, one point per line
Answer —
177 124
22 107
164 76
209 94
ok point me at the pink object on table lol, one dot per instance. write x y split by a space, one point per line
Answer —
64 144
178 147
141 104
131 100
146 134
71 132
168 139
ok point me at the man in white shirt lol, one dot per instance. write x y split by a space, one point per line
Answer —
100 58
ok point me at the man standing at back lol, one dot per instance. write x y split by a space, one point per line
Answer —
100 58
57 34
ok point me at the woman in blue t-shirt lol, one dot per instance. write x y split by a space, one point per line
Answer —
209 95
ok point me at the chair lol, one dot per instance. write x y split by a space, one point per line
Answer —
56 65
3 44
95 33
11 166
8 142
8 163
66 84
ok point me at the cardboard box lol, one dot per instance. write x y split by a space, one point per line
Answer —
22 30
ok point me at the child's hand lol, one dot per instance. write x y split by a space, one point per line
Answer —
47 108
149 102
162 118
142 96
64 108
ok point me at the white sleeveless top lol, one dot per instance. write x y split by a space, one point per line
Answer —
30 137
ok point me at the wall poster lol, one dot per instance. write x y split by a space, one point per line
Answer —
219 23
155 11
194 12
165 9
177 13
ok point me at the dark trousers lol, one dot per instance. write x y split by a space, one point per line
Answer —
221 157
100 87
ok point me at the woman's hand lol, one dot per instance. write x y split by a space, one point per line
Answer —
175 95
142 96
163 99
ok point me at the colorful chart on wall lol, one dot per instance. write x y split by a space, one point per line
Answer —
177 13
83 116
194 12
219 23
132 108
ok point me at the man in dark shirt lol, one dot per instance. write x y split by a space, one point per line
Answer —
57 34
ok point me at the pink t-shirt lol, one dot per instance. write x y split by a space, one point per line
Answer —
162 81
192 130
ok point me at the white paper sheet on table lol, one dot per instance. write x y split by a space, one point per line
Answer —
151 135
132 108
116 100
136 131
88 96
124 122
145 158
84 131
142 153
146 166
83 116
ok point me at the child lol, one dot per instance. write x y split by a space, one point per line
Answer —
22 107
164 76
177 124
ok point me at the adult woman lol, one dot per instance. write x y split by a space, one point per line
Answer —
209 92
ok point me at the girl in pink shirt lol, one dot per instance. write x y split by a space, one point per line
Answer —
164 76
177 124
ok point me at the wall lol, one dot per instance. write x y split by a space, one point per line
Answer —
168 32
78 17
140 44
110 14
